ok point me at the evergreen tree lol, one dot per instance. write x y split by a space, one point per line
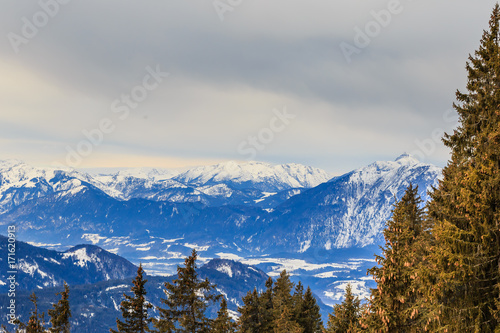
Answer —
266 308
135 308
278 310
282 294
309 315
60 314
423 280
164 325
285 323
250 320
465 208
187 300
297 301
35 322
346 316
283 305
223 322
393 302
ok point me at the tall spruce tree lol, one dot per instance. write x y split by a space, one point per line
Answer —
187 300
135 308
61 312
266 308
392 303
297 301
423 279
465 207
250 320
309 315
346 316
223 322
283 305
282 294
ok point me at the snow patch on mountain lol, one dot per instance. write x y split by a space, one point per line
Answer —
327 275
226 269
266 195
121 286
30 268
81 257
336 292
220 190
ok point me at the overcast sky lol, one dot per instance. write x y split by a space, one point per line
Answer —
278 81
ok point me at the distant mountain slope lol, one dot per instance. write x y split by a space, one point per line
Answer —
42 268
348 211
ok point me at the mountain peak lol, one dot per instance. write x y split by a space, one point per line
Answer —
406 158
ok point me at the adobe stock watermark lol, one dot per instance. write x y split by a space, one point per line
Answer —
122 107
428 146
258 142
372 29
225 6
31 26
11 274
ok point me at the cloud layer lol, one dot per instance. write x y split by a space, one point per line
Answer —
226 78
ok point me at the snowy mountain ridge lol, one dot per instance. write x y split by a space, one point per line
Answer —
209 184
278 177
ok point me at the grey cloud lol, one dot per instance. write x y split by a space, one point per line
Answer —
406 77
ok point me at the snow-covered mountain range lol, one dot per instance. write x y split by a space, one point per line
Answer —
287 216
222 184
259 206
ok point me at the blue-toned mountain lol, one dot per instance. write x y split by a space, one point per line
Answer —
39 268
